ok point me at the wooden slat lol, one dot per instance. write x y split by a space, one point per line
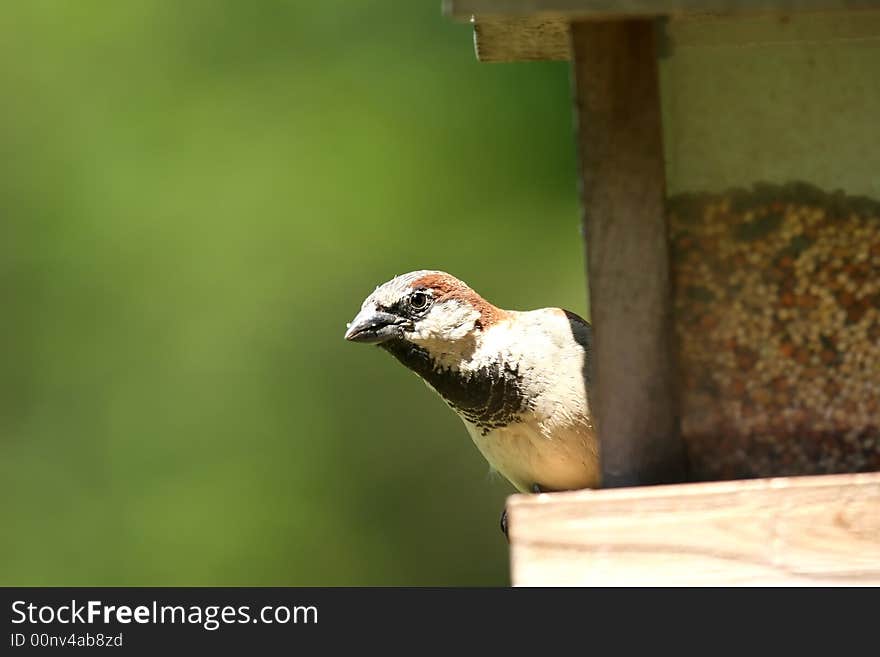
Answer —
786 531
528 39
576 9
617 108
523 35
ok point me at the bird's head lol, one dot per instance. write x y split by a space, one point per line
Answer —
424 308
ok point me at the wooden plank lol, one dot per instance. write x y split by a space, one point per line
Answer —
785 531
579 9
538 31
617 107
521 39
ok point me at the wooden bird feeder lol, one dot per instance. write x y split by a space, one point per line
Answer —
730 184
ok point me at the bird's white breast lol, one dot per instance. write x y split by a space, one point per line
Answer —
553 444
525 456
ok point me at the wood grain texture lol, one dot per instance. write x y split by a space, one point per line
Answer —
521 39
791 531
619 137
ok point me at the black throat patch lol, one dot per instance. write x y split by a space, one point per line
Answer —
490 397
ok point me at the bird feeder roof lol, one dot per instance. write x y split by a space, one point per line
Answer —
611 8
538 30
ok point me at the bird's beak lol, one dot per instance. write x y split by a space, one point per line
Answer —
373 326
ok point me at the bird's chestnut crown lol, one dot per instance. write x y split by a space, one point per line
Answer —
421 307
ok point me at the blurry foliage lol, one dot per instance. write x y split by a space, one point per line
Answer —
195 198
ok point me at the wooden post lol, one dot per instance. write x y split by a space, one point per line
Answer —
617 107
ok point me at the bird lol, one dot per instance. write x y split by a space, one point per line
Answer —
519 380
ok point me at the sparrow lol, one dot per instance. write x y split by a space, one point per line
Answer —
519 380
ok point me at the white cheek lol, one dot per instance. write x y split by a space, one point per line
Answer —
449 320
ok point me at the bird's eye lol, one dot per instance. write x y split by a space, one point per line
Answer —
419 300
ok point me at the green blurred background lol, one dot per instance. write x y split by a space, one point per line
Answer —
195 199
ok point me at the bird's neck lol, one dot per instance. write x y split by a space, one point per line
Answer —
488 394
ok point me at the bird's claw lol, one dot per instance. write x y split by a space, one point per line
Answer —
535 489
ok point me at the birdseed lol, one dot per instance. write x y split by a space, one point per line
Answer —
777 319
